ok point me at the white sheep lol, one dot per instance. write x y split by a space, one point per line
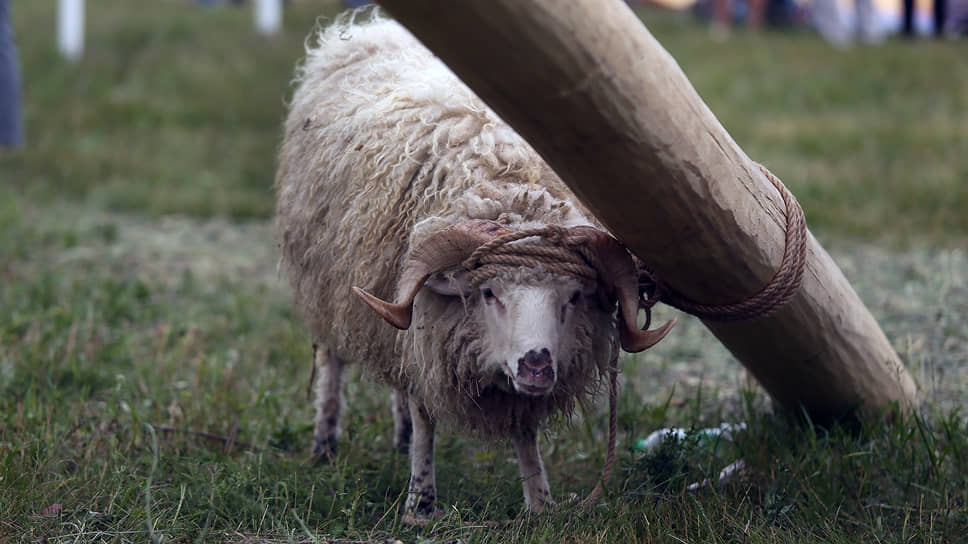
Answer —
391 173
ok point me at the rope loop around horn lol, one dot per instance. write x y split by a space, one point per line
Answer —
555 248
776 293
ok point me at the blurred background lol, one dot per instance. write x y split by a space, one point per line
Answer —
174 106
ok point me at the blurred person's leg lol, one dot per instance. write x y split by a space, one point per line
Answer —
940 11
956 18
721 18
867 28
757 13
11 122
830 21
908 25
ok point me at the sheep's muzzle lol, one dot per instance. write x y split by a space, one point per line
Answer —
536 373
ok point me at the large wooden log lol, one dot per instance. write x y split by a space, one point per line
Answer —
610 110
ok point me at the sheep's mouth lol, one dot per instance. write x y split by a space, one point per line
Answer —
533 390
537 386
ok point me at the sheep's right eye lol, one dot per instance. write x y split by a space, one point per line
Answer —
491 299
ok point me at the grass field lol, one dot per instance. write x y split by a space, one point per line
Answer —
153 375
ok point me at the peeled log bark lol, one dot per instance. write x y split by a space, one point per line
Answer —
609 109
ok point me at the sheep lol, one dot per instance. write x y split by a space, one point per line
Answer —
392 175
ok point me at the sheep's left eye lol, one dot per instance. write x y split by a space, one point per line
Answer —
574 297
491 299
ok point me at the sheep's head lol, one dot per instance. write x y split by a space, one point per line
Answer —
528 322
530 325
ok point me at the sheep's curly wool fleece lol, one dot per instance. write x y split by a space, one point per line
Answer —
384 147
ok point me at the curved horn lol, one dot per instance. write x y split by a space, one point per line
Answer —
447 248
618 272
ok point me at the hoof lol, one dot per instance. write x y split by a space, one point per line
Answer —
422 520
417 521
324 449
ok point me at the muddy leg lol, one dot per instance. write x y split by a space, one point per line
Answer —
422 493
537 494
329 401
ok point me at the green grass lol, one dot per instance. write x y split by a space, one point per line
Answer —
153 372
174 109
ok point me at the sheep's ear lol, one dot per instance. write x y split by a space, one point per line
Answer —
451 284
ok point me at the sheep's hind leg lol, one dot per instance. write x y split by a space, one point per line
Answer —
402 424
329 401
537 494
422 494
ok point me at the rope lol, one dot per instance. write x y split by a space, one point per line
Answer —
775 294
556 249
612 433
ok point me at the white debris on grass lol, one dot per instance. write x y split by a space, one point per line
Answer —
708 439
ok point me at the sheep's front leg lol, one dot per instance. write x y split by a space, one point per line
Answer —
402 425
329 400
537 494
422 493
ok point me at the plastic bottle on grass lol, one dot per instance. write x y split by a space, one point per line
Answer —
708 438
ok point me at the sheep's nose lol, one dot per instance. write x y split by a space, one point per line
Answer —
536 364
537 358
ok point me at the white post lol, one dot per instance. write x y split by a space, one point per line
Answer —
70 28
268 16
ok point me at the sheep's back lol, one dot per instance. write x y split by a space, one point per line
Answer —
383 147
370 116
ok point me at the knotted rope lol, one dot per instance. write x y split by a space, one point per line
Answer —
769 299
562 252
599 488
556 249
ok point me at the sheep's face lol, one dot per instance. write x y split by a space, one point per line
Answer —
529 329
